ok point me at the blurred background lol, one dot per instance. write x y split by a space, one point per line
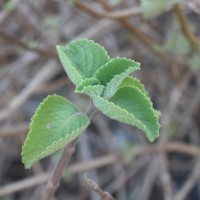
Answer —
164 35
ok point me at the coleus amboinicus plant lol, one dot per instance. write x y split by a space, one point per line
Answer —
112 89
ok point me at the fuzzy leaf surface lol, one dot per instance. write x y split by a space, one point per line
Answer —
132 81
131 106
81 59
55 123
114 72
91 87
92 90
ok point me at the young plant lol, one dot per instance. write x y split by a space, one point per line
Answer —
57 121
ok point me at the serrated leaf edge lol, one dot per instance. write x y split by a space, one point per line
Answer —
111 60
142 126
89 88
144 91
78 131
36 113
117 76
60 49
85 82
151 108
142 85
91 41
122 110
71 67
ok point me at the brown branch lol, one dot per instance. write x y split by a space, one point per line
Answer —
135 31
148 180
13 130
93 186
87 9
53 86
165 177
189 184
15 40
185 28
23 184
175 96
105 4
47 72
191 150
130 12
73 169
68 151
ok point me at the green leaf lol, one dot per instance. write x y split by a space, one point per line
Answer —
114 72
132 81
87 82
90 86
131 106
55 123
92 90
82 58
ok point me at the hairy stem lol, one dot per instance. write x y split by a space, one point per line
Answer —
93 186
54 181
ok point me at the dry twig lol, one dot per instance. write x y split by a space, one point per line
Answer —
100 162
14 40
93 186
73 169
189 184
135 31
48 71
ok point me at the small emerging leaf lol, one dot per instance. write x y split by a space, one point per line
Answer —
92 90
56 122
87 82
90 86
114 72
131 106
81 59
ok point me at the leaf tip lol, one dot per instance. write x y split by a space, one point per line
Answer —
59 48
156 135
152 139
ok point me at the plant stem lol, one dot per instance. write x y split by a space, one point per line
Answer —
54 181
94 187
